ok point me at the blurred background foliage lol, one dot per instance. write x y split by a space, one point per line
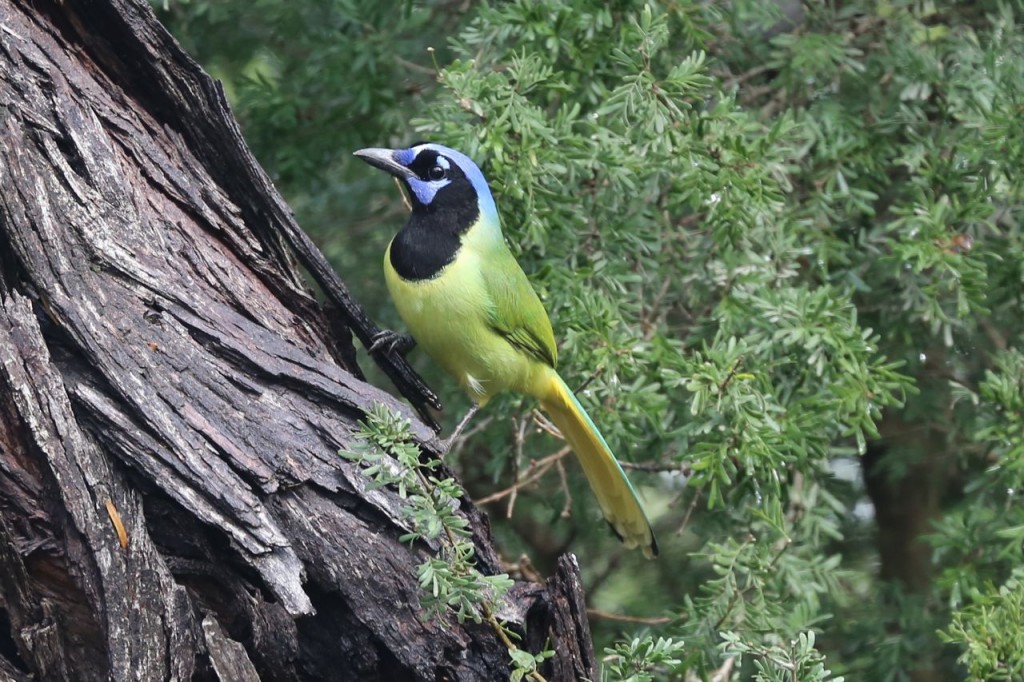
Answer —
780 245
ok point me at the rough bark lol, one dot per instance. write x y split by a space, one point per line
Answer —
172 399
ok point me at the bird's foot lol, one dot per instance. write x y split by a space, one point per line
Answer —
390 341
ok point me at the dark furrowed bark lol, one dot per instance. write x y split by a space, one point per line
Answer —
172 398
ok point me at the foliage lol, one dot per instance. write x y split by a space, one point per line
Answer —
982 544
645 660
450 580
799 660
989 629
780 245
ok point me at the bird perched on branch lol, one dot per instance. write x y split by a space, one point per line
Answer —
469 305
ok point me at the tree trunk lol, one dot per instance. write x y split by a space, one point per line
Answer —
172 399
907 473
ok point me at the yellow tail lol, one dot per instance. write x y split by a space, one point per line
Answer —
613 490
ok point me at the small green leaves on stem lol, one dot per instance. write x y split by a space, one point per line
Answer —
450 582
645 660
797 661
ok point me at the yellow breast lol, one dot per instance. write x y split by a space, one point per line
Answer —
448 316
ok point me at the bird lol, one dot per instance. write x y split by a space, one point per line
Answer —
468 304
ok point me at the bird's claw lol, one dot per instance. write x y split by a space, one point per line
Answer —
390 341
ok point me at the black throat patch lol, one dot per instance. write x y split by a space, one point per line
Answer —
432 236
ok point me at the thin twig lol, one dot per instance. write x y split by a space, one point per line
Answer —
689 512
520 439
586 382
537 468
658 468
994 335
739 79
500 629
608 615
567 507
413 66
544 424
651 319
511 502
796 499
522 569
732 374
724 673
459 445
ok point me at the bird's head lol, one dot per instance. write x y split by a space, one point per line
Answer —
436 178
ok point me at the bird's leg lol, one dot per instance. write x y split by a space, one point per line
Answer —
390 341
458 429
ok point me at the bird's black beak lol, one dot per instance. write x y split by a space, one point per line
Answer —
385 160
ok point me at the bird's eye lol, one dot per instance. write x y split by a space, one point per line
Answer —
437 173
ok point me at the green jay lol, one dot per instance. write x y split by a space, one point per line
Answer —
469 305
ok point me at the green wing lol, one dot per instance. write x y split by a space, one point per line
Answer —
517 313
